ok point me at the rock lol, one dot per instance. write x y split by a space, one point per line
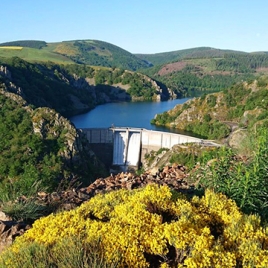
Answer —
237 137
5 72
4 217
9 230
154 171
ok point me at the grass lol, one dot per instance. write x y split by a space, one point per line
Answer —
33 55
23 209
62 48
208 65
68 253
10 47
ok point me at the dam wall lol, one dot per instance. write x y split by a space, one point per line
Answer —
126 147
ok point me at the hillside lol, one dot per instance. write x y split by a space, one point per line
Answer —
73 88
217 115
90 52
32 51
173 56
39 147
203 72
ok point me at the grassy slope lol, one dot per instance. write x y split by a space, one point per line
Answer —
34 55
90 52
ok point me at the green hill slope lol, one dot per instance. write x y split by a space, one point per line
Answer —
33 54
173 56
90 52
39 146
99 53
188 72
205 71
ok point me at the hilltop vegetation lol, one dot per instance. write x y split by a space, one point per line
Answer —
194 76
191 53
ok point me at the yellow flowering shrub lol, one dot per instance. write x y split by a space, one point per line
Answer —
149 227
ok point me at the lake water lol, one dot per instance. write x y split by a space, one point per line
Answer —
126 114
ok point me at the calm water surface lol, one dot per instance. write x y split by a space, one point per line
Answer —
126 114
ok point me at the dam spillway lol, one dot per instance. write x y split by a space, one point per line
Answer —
126 147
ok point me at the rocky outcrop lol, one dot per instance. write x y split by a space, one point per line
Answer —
10 86
9 230
5 72
237 137
48 123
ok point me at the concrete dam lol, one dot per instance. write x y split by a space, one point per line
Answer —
125 148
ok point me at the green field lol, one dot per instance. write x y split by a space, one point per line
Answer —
33 55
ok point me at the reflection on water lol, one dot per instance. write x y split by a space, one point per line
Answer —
126 114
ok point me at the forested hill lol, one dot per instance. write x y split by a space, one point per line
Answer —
198 52
207 71
215 116
40 149
74 88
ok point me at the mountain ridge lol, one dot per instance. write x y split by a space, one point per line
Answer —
154 58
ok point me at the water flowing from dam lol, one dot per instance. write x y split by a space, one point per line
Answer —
133 151
126 148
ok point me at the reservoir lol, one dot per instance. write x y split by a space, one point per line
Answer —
126 114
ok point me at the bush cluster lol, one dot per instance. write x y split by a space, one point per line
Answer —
245 183
152 227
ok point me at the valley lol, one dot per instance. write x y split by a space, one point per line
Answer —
51 174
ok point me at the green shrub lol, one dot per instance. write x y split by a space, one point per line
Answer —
211 100
246 183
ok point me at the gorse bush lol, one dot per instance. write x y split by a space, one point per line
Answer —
150 227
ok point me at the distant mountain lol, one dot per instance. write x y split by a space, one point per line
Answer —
202 70
191 53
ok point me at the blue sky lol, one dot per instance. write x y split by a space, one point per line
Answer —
140 26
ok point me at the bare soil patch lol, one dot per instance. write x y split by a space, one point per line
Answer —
172 67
